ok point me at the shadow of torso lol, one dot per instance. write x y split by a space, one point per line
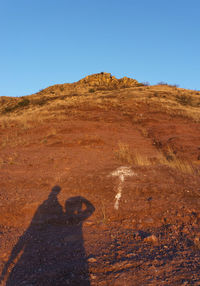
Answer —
53 247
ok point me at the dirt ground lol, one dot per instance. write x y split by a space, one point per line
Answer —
101 188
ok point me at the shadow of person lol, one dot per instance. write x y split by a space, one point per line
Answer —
51 251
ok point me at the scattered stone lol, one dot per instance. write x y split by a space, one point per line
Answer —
89 223
152 238
131 254
92 259
102 283
149 220
93 277
197 241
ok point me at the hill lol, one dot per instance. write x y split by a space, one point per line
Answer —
100 184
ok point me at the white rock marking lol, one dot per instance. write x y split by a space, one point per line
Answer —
122 173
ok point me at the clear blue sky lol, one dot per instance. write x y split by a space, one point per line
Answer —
44 42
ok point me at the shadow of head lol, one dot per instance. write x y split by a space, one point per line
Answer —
54 192
77 209
74 206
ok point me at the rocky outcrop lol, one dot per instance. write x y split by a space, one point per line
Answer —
91 83
106 80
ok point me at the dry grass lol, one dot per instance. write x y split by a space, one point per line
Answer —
44 140
24 121
4 123
12 140
171 160
189 113
124 154
1 163
180 165
143 130
5 141
172 100
141 160
11 160
52 132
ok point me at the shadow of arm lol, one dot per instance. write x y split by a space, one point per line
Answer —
84 214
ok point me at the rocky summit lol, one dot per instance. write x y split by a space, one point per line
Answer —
106 80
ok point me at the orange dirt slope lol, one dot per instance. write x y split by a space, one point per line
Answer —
65 156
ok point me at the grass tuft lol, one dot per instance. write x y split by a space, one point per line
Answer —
123 153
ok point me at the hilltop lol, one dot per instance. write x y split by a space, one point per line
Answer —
100 81
130 154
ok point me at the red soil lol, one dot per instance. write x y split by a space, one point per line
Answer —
154 236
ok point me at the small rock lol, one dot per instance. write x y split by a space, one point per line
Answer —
152 238
4 255
89 223
197 241
92 259
93 277
102 283
149 220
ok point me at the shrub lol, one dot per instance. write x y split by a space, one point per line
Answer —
184 99
162 83
24 102
165 83
145 83
8 109
91 90
40 101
